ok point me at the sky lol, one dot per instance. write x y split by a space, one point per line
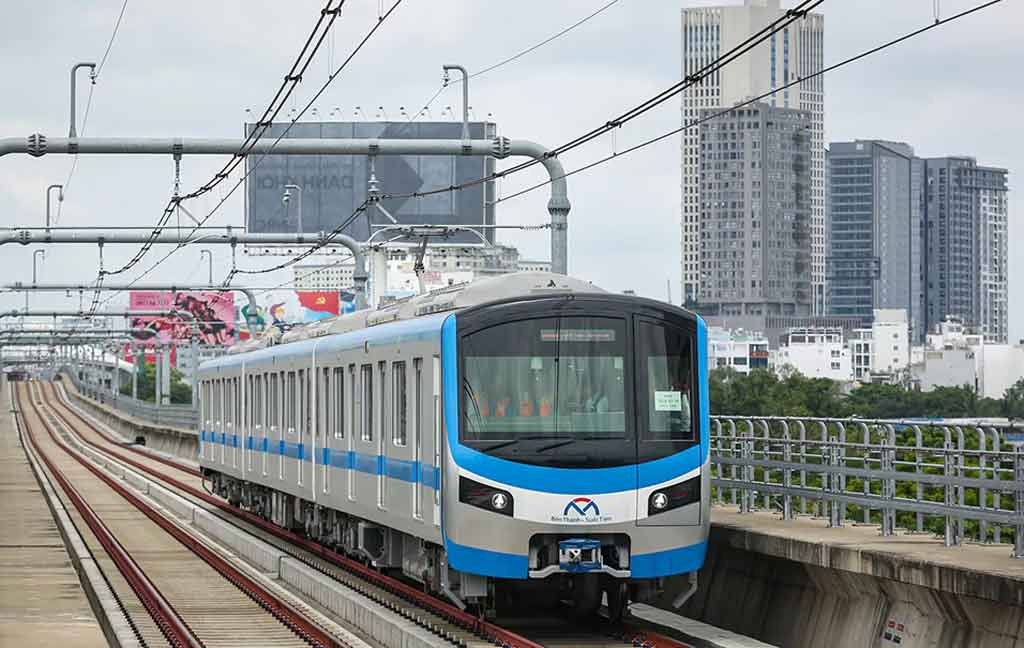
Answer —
191 68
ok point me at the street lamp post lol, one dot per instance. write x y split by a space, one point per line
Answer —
35 274
60 198
288 196
208 252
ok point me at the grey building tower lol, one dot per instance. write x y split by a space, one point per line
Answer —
796 52
874 222
757 216
966 245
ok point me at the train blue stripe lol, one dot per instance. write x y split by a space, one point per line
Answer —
400 469
487 563
680 560
567 481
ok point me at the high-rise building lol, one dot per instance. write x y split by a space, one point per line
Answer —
874 224
965 264
796 52
756 216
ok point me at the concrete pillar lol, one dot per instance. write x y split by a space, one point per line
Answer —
165 375
194 350
136 365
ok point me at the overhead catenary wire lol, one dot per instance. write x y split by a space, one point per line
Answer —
752 41
516 56
795 82
775 26
790 16
292 78
88 104
270 150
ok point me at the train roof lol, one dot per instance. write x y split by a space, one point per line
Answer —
451 298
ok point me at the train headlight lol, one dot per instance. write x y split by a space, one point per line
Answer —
486 497
659 501
499 501
674 496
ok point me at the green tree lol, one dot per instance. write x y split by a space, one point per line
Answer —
1013 400
181 391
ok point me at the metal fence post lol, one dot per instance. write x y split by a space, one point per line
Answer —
787 473
1018 501
919 487
949 496
747 441
889 484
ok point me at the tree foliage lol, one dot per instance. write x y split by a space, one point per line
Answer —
764 393
181 391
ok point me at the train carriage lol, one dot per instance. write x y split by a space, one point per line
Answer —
527 432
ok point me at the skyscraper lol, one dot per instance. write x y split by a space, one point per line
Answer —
874 224
966 245
795 52
755 253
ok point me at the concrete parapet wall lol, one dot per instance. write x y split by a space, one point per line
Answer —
178 442
794 593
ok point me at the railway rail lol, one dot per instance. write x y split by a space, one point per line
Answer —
450 624
177 589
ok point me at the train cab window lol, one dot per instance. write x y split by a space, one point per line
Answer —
548 376
400 407
338 416
366 403
548 391
665 375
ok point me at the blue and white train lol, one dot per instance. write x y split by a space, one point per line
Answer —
528 433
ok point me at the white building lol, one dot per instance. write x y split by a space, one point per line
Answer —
816 353
882 352
955 357
740 350
444 265
796 52
329 276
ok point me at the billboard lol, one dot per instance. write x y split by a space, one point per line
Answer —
213 312
333 186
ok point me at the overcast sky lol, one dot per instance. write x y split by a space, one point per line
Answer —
191 68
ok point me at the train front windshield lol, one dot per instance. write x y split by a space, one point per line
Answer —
564 391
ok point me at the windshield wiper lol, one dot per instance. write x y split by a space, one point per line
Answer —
556 445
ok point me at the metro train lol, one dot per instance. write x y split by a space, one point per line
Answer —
524 436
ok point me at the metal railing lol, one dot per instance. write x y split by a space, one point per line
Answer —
960 481
182 416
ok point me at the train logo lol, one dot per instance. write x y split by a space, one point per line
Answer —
581 506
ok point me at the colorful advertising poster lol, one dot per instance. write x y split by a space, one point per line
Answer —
318 305
213 314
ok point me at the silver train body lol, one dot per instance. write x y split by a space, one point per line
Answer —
374 432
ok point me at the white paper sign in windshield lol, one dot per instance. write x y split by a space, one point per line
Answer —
668 401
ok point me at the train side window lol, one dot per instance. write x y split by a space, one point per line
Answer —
323 401
290 403
273 401
400 408
307 402
417 436
301 405
353 408
338 416
366 403
382 402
